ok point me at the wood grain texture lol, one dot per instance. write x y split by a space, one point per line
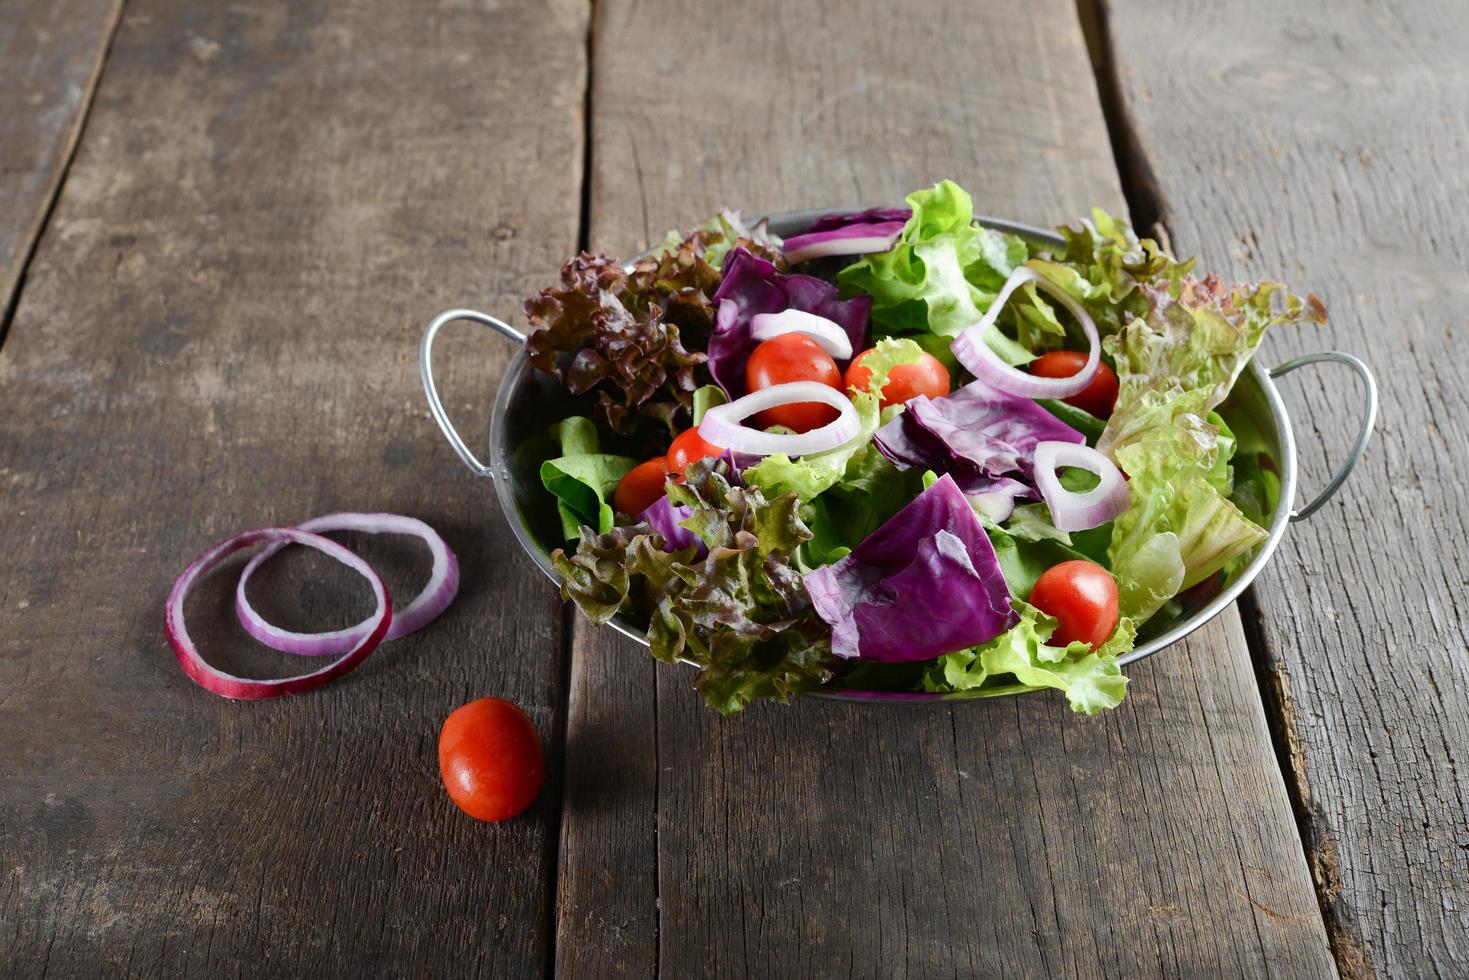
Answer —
1007 838
50 56
1329 143
219 330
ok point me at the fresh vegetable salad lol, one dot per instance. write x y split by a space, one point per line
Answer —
900 451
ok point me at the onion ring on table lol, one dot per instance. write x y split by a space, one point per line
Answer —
443 584
216 681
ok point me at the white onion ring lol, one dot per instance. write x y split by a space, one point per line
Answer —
855 245
1079 511
240 688
721 424
975 354
832 338
443 584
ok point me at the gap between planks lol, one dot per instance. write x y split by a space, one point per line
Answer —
53 193
566 653
1149 211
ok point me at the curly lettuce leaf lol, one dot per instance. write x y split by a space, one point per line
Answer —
740 614
635 336
1021 656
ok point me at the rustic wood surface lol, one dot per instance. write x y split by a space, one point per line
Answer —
51 53
1009 838
1329 142
215 327
218 330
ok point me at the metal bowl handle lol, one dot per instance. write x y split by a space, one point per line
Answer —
431 391
1369 416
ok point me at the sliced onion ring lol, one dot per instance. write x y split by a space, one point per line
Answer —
721 424
443 584
975 354
244 689
856 239
832 338
1079 511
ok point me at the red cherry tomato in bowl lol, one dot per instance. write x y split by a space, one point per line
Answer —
925 376
689 447
786 358
1098 398
1082 596
641 486
490 759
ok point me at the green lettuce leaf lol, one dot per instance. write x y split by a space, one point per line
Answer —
1021 656
941 274
706 398
870 491
1179 527
582 478
740 614
1175 365
1196 338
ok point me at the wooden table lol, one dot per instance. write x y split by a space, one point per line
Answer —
222 227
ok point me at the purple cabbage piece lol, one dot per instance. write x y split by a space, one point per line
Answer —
868 217
924 584
752 285
738 463
976 431
665 516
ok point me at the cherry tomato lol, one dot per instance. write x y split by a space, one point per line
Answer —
490 759
926 376
793 357
688 448
1083 597
1097 397
641 486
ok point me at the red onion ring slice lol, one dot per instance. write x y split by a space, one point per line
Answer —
975 354
244 689
1079 511
443 584
831 337
721 424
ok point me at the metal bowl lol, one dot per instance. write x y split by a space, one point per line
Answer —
529 401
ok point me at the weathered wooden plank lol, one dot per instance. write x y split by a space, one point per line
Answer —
1330 142
50 56
1003 838
219 330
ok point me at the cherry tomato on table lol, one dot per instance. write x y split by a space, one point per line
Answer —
793 357
641 486
1098 398
1082 596
925 376
688 448
490 759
